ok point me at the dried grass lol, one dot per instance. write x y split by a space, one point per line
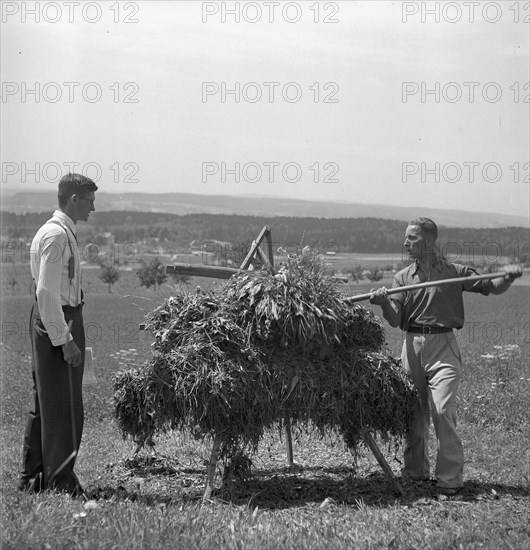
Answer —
236 360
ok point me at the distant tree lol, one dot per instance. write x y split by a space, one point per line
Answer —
109 274
152 273
356 273
375 274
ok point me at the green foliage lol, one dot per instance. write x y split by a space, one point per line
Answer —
151 274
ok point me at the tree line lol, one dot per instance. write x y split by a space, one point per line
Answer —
357 235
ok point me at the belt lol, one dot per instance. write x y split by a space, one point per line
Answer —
79 307
73 308
428 330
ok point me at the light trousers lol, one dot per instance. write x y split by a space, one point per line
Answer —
433 363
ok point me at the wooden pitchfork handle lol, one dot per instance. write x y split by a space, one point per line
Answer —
397 290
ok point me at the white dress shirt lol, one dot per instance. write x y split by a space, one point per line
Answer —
51 249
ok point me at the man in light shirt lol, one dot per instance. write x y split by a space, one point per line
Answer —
55 425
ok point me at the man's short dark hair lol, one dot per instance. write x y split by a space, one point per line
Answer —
427 227
74 184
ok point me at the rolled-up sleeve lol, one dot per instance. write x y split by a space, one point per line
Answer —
482 287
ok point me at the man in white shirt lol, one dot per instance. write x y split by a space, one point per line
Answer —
55 425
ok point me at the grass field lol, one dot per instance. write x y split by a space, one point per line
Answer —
334 500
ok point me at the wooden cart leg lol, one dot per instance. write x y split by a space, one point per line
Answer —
288 440
372 445
210 476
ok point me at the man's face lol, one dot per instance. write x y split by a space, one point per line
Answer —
84 205
415 243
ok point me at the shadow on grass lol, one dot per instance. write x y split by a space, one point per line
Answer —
288 490
284 488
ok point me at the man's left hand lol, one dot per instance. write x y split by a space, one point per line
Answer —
512 272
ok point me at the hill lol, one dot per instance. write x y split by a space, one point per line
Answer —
265 207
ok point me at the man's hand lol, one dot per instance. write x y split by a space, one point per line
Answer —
512 272
391 309
379 297
72 354
502 284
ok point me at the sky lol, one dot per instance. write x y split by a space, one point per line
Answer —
398 103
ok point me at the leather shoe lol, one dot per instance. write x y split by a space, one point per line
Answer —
448 491
31 485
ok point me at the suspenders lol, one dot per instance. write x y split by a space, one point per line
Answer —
71 260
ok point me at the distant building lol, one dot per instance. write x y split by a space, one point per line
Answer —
105 239
213 251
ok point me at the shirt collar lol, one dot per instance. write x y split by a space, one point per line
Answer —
67 220
437 264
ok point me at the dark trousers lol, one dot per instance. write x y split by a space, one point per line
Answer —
55 425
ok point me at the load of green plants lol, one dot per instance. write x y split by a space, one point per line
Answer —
237 360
